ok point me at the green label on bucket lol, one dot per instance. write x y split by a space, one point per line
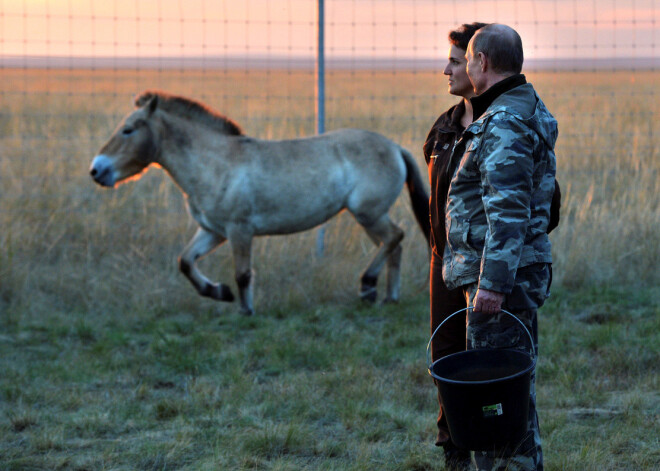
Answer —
492 411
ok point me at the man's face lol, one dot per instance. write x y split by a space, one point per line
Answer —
459 83
474 72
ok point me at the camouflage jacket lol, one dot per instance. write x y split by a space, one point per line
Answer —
498 206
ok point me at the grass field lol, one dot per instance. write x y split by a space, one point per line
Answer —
111 361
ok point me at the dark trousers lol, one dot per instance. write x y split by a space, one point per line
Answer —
451 338
530 290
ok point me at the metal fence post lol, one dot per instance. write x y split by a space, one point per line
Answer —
320 101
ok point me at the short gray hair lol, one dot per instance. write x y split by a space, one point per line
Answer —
503 47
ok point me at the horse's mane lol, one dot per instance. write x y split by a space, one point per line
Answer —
190 109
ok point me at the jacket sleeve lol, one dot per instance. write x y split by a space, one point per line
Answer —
506 164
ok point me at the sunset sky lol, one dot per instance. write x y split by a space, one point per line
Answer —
374 28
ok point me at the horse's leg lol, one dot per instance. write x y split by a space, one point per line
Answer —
201 244
388 235
394 275
241 244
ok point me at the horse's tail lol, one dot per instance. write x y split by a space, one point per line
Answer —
418 196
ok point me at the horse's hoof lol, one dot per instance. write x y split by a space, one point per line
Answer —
368 295
389 300
218 291
226 294
368 288
247 312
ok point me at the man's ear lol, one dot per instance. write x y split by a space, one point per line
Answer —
483 62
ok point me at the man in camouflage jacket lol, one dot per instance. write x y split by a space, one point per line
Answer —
498 211
507 153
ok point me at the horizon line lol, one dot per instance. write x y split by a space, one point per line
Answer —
304 62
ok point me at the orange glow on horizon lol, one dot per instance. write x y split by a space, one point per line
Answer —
161 28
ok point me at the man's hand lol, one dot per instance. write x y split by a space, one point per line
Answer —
488 302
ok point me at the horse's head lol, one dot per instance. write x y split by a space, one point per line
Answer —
132 147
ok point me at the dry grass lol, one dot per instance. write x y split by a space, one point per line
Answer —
112 361
57 225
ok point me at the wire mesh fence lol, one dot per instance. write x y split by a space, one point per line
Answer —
69 70
243 56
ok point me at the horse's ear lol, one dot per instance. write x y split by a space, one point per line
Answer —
150 100
152 105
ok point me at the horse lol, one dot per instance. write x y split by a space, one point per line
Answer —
238 187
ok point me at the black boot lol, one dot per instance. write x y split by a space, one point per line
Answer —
456 459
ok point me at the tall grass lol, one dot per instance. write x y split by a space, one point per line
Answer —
110 359
609 166
58 227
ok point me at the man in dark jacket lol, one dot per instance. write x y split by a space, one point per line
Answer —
498 213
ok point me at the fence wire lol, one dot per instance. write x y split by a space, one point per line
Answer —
70 69
250 58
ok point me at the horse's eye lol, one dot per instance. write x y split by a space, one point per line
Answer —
127 131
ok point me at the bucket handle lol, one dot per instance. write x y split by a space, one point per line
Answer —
428 347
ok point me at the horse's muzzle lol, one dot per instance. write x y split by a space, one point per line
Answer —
102 171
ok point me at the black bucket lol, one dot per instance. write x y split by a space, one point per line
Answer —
485 394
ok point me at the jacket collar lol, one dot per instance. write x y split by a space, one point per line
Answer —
480 103
451 120
456 115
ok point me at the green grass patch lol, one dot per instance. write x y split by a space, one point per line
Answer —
339 386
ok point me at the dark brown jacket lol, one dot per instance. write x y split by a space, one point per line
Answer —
437 150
